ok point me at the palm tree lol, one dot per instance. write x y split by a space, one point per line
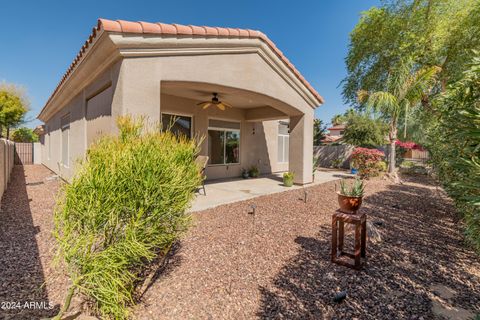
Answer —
338 119
404 89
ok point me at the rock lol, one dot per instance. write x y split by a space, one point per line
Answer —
340 296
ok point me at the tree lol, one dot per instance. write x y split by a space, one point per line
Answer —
13 106
319 130
429 32
338 119
404 89
24 135
363 131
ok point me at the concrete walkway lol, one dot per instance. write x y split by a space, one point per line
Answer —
225 191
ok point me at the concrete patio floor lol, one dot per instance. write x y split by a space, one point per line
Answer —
225 191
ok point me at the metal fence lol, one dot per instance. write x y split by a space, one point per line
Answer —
23 153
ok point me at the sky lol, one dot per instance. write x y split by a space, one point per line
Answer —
39 39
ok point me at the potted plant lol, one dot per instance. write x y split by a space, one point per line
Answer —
253 172
350 196
288 179
245 174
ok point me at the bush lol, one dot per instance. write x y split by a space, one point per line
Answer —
382 166
363 131
253 172
454 144
124 207
24 135
366 161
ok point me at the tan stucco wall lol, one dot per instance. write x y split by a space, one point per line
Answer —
136 89
80 127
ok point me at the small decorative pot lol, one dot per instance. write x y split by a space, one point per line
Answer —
288 182
349 204
353 171
245 175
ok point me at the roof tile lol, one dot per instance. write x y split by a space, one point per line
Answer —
181 29
148 27
130 27
223 31
198 30
167 28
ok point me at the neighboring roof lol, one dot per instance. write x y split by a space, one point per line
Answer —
338 127
140 27
330 139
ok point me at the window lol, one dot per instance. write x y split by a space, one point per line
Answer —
341 132
223 142
283 142
178 125
65 126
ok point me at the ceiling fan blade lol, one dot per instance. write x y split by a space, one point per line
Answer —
221 106
204 105
226 104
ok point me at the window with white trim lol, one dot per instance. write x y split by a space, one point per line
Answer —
223 142
65 127
283 142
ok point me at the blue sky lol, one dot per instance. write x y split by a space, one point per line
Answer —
39 39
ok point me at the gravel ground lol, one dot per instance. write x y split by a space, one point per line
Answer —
274 264
26 245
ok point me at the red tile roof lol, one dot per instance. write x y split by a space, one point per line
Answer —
330 139
338 127
122 26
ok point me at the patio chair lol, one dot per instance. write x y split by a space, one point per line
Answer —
201 162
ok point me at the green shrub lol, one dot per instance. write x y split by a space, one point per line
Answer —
124 207
253 172
288 179
454 145
407 164
382 166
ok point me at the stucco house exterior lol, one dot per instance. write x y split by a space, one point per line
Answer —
334 133
163 71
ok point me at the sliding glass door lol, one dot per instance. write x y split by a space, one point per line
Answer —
223 142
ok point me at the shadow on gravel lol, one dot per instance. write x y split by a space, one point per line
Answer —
22 291
421 245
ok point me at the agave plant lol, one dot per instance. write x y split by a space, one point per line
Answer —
354 190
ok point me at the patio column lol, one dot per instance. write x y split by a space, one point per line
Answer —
301 147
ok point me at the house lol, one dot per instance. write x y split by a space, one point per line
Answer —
334 134
172 72
337 130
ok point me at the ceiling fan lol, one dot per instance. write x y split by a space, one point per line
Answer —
214 102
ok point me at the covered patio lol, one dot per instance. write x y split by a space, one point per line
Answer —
225 191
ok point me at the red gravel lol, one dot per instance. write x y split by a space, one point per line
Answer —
26 243
233 265
277 264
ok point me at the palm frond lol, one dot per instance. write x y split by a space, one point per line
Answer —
419 83
384 102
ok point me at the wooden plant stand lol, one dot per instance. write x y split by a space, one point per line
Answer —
358 219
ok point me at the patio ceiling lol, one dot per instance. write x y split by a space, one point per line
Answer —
256 102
